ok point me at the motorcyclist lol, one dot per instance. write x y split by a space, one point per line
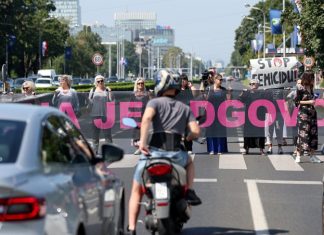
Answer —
169 119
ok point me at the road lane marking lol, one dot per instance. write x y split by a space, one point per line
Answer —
232 161
258 216
284 163
205 180
284 182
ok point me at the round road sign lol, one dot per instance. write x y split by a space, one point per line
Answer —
97 59
309 61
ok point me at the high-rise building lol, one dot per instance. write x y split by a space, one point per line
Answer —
135 21
69 10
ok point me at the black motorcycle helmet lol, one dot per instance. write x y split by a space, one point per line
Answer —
165 80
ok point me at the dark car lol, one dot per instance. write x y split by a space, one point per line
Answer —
76 81
18 83
85 82
112 79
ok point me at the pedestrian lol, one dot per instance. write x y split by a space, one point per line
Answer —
66 94
277 125
140 94
28 88
291 106
307 140
253 136
98 98
216 136
186 95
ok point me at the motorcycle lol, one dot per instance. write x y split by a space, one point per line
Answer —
165 186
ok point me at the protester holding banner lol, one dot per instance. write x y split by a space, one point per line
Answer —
140 94
291 106
186 94
28 88
307 118
98 98
65 95
253 135
216 141
276 125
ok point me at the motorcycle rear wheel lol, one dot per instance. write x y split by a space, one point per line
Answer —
166 227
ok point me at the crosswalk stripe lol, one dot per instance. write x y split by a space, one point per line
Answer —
284 163
232 161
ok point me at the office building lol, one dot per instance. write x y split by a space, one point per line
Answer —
69 10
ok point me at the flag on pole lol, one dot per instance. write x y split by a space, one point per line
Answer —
275 24
259 41
68 53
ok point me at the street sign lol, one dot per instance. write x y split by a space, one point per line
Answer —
97 59
308 61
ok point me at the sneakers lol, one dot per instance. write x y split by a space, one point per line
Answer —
269 150
211 153
280 150
192 198
315 159
189 152
297 159
137 152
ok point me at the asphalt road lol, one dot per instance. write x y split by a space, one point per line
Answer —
246 194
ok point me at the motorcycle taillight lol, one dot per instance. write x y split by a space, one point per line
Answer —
21 208
159 169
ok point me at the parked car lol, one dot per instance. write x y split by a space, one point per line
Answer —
76 81
51 182
112 79
32 78
56 81
85 82
17 83
43 82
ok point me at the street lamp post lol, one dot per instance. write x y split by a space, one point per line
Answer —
264 24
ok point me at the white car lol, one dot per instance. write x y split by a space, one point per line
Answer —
43 82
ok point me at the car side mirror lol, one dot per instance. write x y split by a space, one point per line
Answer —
111 153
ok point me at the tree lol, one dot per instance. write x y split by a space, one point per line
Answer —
29 22
310 20
246 32
84 45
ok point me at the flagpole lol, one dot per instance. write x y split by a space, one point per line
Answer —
284 30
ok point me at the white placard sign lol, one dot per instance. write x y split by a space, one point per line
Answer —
275 72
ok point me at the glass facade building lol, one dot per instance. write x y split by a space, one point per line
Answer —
69 10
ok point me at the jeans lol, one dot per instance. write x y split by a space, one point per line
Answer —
179 157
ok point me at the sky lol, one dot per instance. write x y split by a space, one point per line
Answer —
205 28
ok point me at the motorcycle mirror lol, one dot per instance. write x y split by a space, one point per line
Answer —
130 122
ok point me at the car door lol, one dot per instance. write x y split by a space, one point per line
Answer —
62 198
85 177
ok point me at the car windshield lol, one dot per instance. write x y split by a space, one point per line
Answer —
20 81
43 81
11 133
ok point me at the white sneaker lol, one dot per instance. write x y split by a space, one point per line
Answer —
315 159
211 153
297 159
189 152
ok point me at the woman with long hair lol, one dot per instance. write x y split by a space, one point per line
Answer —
307 138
